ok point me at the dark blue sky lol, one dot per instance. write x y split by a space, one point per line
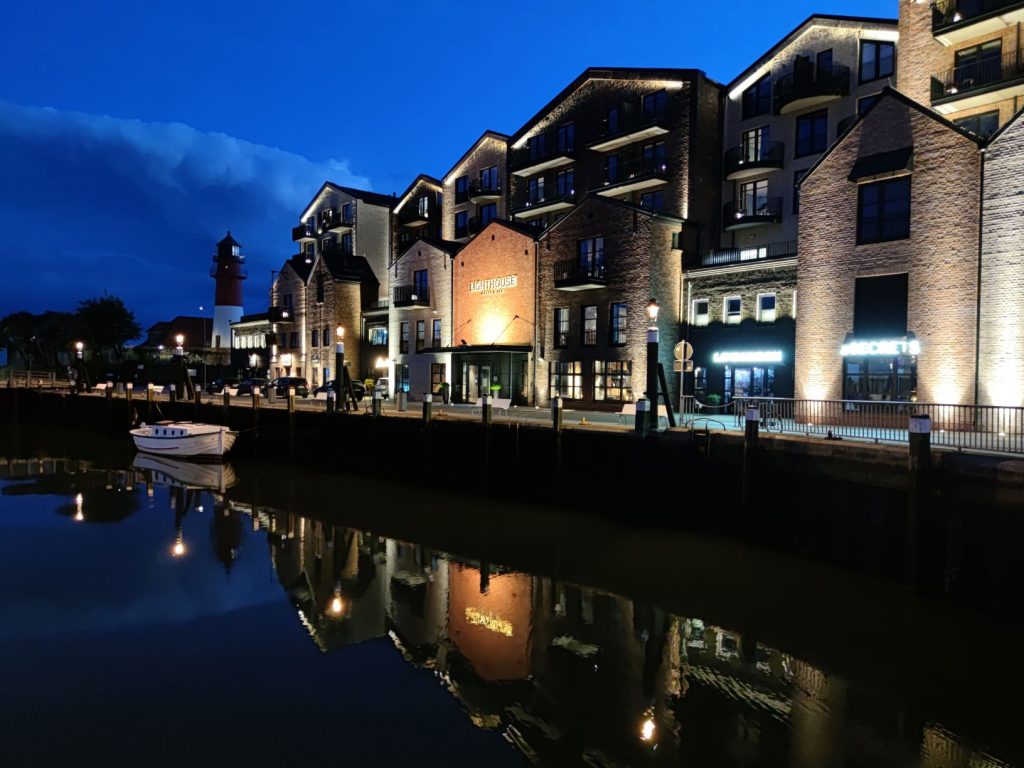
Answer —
132 134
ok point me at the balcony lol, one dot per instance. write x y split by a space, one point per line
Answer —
414 217
718 257
636 175
303 233
333 220
955 21
810 86
754 159
574 275
544 202
741 214
535 158
484 191
981 82
411 296
631 128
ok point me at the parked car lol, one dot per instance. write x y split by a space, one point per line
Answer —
383 386
357 388
283 383
248 385
217 386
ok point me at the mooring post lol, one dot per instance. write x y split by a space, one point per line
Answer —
556 414
227 405
149 402
750 443
485 410
172 394
641 425
128 401
428 408
329 401
376 403
128 388
291 400
919 466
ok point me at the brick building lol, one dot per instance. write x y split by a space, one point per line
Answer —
889 247
494 314
288 308
963 58
417 213
474 188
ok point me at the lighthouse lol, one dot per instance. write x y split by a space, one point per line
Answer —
229 271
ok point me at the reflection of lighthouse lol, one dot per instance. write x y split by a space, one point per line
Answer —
229 272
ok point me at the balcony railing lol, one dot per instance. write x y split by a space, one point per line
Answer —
753 157
333 220
752 213
808 85
412 216
637 173
484 190
630 127
534 158
717 257
547 199
574 274
954 14
303 232
958 82
411 296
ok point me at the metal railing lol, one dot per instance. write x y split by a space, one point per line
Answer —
33 379
755 154
334 218
627 122
304 232
737 211
964 12
540 152
963 427
810 81
546 196
411 294
479 188
983 73
883 229
633 169
718 256
568 270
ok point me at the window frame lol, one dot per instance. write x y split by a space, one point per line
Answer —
561 337
435 334
774 310
878 45
403 337
619 370
803 119
586 333
618 323
696 316
727 317
757 103
558 371
421 335
878 236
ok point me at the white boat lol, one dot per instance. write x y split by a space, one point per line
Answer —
183 438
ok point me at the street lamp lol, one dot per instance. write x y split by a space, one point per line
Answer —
80 365
339 366
652 365
180 340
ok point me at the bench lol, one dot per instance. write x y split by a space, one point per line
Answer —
629 409
497 404
232 391
101 387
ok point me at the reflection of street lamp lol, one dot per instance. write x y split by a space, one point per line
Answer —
652 365
79 514
178 550
647 730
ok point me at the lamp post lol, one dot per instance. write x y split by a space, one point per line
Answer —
652 365
179 357
80 365
339 367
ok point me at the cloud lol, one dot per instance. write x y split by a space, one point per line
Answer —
92 203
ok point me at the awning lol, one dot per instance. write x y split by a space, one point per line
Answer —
895 162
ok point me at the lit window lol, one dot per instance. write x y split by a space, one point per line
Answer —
733 309
565 379
613 380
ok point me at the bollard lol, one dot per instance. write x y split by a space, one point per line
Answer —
753 423
642 426
330 401
149 402
486 410
172 394
402 399
376 404
227 404
428 408
291 399
918 526
750 442
128 388
556 414
109 391
271 394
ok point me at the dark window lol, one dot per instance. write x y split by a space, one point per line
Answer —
567 137
757 99
403 337
613 380
421 335
880 306
565 183
654 105
293 341
423 205
435 334
401 378
588 321
286 300
565 380
462 223
979 64
536 145
866 102
319 288
611 124
536 187
812 133
419 282
754 143
590 253
489 178
316 338
283 341
617 322
346 244
824 63
753 198
654 156
877 60
378 335
983 125
561 327
653 201
325 337
797 176
883 210
348 213
461 189
487 214
611 169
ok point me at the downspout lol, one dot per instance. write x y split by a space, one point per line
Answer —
977 316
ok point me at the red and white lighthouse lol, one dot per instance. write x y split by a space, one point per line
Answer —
229 271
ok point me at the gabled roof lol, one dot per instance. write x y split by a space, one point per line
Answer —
484 136
1003 129
601 199
445 246
197 332
371 198
424 178
883 94
350 269
299 266
608 73
522 229
817 19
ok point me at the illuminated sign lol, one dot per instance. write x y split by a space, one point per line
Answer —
754 356
488 620
494 285
881 348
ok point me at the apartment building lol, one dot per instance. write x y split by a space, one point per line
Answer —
474 188
963 59
417 214
889 261
780 115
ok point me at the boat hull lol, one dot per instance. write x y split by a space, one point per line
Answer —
214 443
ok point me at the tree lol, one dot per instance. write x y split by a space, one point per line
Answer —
56 333
106 323
18 334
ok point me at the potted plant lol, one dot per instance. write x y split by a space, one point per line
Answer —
495 390
444 391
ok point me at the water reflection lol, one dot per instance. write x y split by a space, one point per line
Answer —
568 674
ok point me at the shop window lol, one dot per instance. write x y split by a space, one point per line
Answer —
565 379
617 323
812 133
561 328
732 309
378 336
701 311
403 337
766 308
700 383
883 211
421 335
588 316
401 378
877 60
613 380
437 372
879 378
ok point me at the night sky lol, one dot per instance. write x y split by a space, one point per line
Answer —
133 134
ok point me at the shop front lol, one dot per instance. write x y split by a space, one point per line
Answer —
744 361
880 369
500 372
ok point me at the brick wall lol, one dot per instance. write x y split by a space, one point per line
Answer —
491 151
940 256
747 284
289 282
342 306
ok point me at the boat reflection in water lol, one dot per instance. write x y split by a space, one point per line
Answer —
568 674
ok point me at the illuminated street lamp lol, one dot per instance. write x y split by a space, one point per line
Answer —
79 365
339 366
652 365
180 341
